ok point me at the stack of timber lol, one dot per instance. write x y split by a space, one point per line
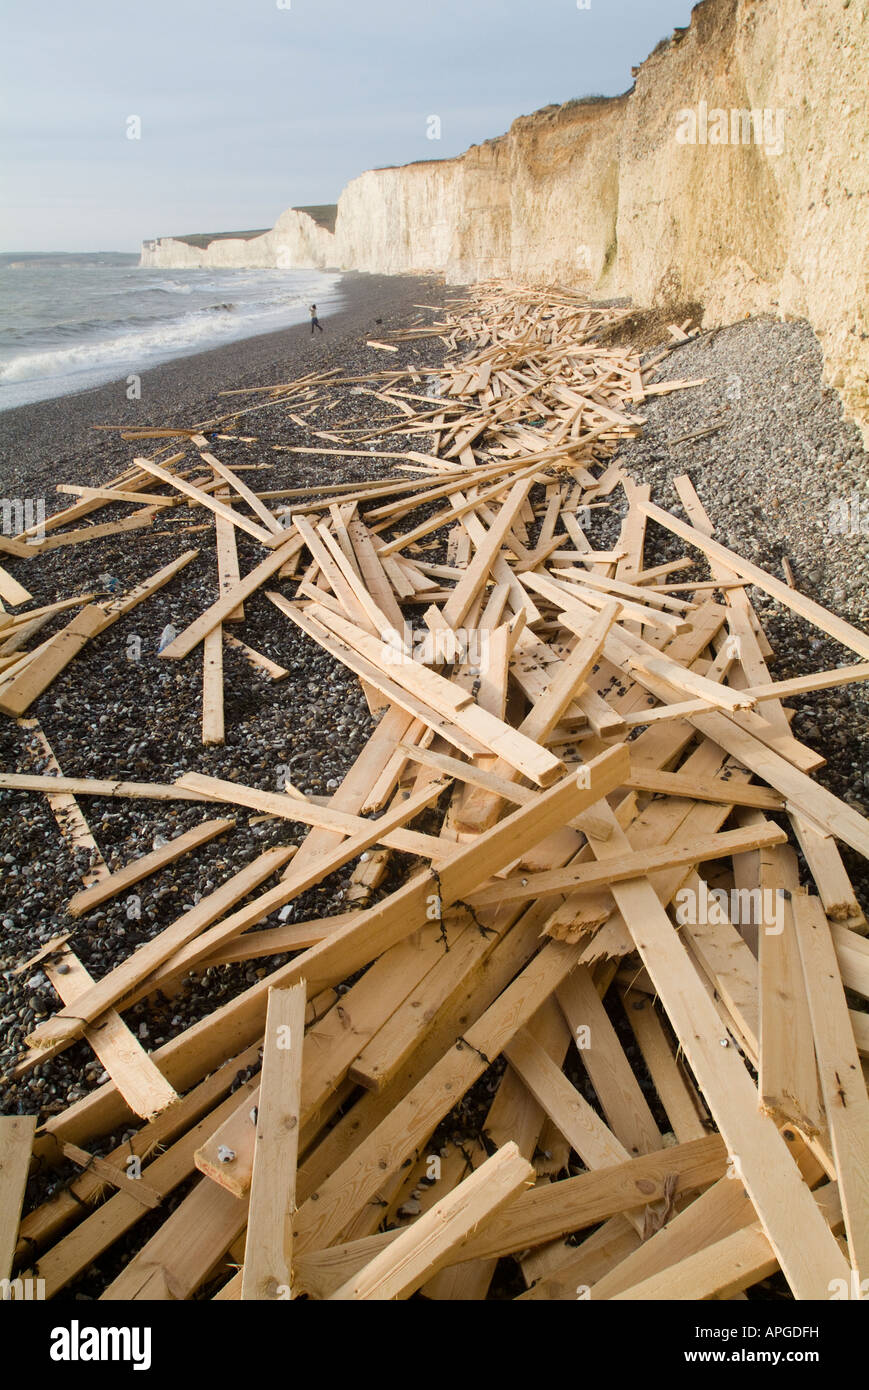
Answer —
594 1021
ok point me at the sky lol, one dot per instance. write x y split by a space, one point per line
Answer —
247 107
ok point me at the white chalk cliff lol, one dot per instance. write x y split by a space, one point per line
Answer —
735 173
295 242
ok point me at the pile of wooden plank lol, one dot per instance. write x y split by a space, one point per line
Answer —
606 1019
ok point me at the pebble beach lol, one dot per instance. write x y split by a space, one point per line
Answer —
762 438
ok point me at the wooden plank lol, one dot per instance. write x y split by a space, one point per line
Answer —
831 879
799 791
228 572
457 606
108 494
255 659
346 592
16 1142
470 773
442 696
807 1252
595 1257
631 865
730 967
787 1071
550 1211
771 691
623 1103
724 789
726 1267
363 833
296 936
842 1081
139 519
721 1211
259 533
173 1263
268 1258
213 729
94 786
852 952
571 1114
66 810
570 678
113 1175
10 590
63 1028
798 603
423 1248
133 1070
678 1097
238 485
373 572
88 899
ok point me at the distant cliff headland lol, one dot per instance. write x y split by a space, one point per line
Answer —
734 173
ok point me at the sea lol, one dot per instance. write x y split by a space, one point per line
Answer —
71 321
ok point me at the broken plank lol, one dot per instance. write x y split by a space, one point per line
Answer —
267 1272
90 898
255 659
842 1081
834 626
807 1252
635 864
422 1249
16 1142
10 590
259 533
184 643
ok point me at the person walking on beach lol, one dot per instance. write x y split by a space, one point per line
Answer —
315 322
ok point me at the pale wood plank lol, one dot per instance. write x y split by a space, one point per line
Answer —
842 1082
798 603
85 901
420 1250
267 1270
807 1253
16 1143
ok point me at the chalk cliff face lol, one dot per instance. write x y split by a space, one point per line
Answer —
295 242
735 173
